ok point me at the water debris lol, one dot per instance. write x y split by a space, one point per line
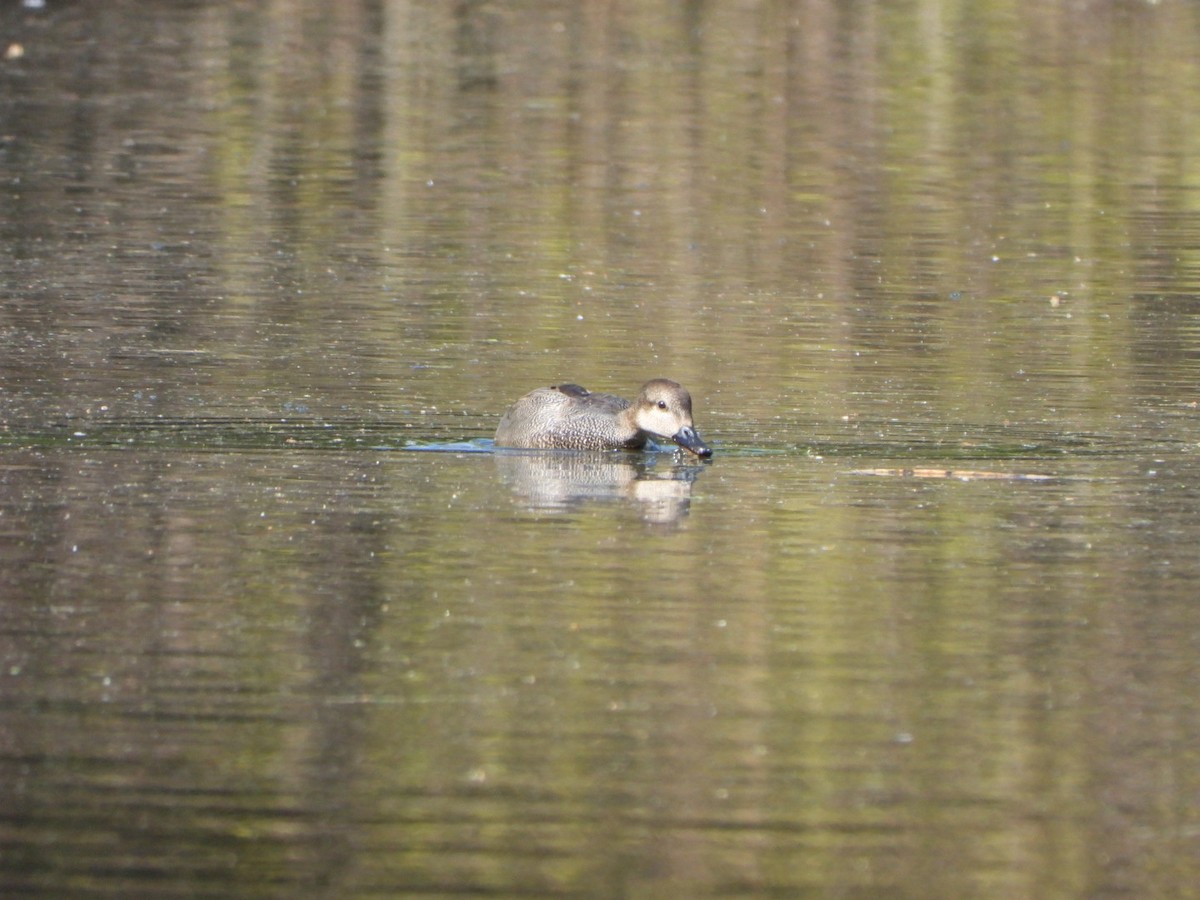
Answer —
954 474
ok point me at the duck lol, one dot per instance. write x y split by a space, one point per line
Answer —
570 417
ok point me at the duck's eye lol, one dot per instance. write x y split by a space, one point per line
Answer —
662 404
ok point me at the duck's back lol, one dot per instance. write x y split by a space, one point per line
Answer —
567 417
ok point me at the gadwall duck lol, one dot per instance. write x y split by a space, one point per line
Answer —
568 417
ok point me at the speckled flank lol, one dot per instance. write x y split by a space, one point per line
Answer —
568 417
549 418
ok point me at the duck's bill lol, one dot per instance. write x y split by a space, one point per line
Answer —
690 440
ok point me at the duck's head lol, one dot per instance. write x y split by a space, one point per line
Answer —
664 409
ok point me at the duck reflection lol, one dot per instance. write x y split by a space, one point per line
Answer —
552 481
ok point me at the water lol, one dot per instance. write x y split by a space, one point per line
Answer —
925 624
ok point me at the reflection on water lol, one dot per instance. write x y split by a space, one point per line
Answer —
232 668
556 481
253 252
